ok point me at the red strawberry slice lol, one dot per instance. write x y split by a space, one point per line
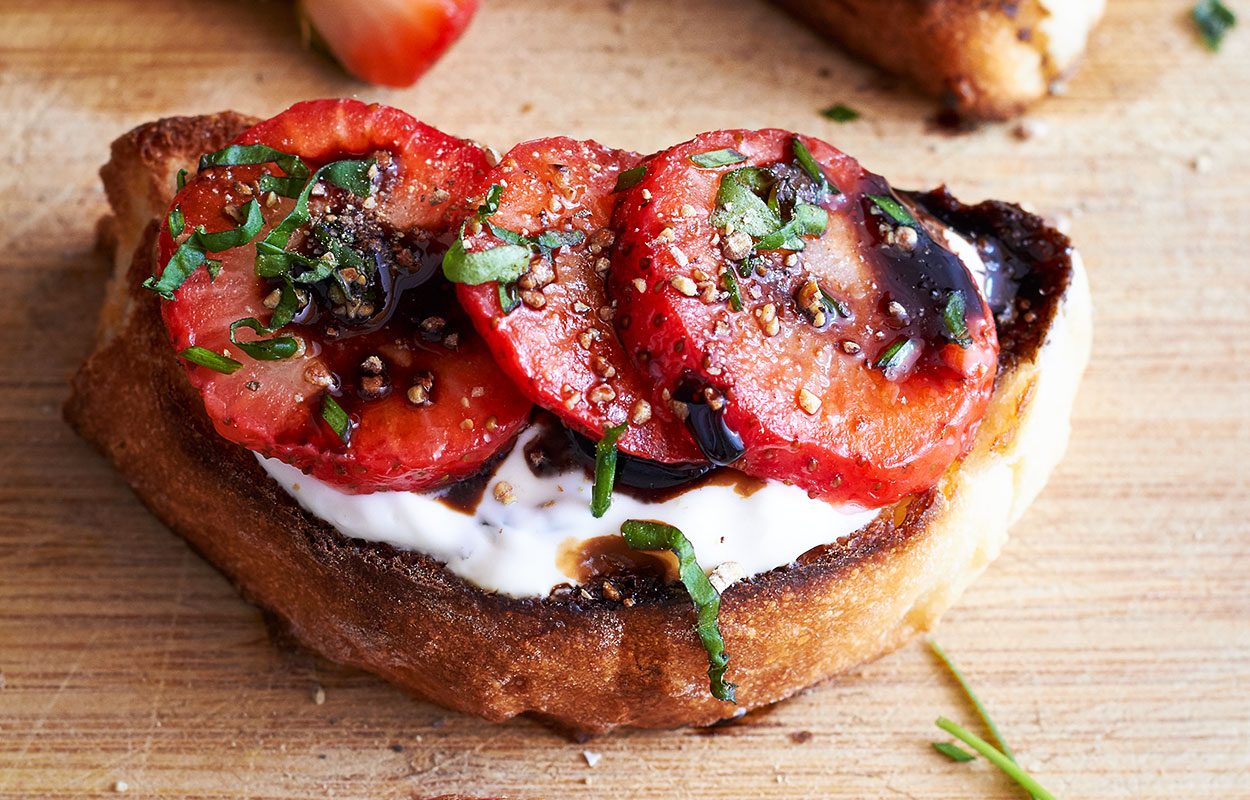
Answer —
388 42
823 335
556 339
381 334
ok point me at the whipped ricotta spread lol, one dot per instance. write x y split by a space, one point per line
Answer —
513 541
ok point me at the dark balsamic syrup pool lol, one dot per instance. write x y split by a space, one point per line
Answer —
556 450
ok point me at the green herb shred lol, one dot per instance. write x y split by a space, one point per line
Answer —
180 180
630 178
997 758
335 417
840 113
550 240
835 305
717 158
954 315
243 154
272 258
509 297
505 263
972 697
807 220
647 535
813 169
209 359
738 202
730 281
1214 21
278 348
953 751
896 355
191 254
893 209
605 470
177 223
490 204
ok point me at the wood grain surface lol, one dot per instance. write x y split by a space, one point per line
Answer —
1111 640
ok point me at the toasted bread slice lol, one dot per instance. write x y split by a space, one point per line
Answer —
577 659
989 59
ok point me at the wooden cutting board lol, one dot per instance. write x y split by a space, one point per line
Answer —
1111 640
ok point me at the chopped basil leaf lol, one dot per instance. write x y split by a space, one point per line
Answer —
511 237
955 317
731 286
350 175
177 222
840 113
605 470
643 535
505 263
275 349
553 239
318 269
808 220
234 237
509 297
335 417
813 169
491 202
835 305
343 254
897 356
273 260
239 154
180 180
893 208
630 178
738 203
191 254
207 358
213 267
953 752
185 260
285 186
1214 21
717 158
747 265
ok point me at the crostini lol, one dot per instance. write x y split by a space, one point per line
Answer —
601 438
986 60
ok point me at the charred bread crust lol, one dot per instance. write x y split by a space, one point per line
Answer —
989 59
575 659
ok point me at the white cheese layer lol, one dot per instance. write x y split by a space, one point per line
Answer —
514 548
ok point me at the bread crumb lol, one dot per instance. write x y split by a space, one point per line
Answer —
120 786
591 757
725 575
1030 129
319 696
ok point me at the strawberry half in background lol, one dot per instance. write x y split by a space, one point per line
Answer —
387 42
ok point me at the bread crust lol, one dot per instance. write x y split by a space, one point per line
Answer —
989 59
578 660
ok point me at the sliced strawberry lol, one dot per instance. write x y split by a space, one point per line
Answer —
841 372
556 339
384 338
388 42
